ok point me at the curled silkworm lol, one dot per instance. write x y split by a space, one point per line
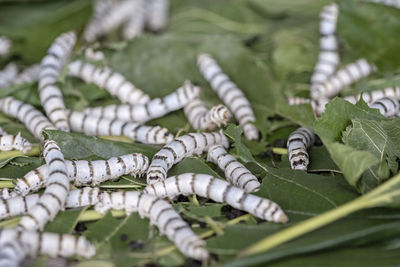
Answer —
49 244
14 142
5 46
136 23
342 78
96 126
328 19
203 119
92 55
33 119
105 78
387 106
8 74
180 148
157 14
55 194
162 214
12 253
29 75
155 108
50 70
298 143
220 191
230 94
82 172
235 172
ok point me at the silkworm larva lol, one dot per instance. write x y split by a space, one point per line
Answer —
220 191
96 126
100 9
392 3
180 148
29 75
157 14
8 74
328 60
328 19
298 143
293 101
155 108
49 244
342 78
55 194
5 46
6 194
93 55
162 214
369 97
235 172
33 119
83 172
111 81
14 142
50 70
230 94
12 253
387 106
203 119
135 25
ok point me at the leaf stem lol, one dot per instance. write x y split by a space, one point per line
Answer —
6 184
92 215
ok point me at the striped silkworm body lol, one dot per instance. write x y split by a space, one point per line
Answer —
50 70
298 143
100 9
203 119
162 214
180 148
157 14
96 126
29 75
8 74
5 193
14 142
55 194
134 26
111 81
33 119
293 101
392 3
155 108
369 97
230 94
235 172
387 106
5 46
12 253
328 19
342 78
49 244
82 172
220 191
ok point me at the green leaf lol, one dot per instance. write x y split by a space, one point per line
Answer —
65 221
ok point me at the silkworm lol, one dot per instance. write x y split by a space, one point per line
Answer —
369 97
6 194
298 143
387 106
12 253
230 94
83 172
342 78
92 55
235 172
220 191
162 214
157 14
5 46
55 194
135 25
14 142
153 109
49 244
392 3
328 60
8 74
29 75
328 19
100 9
50 70
111 81
293 101
33 119
180 148
201 118
96 126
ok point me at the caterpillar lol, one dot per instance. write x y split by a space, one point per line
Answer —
95 126
29 75
328 60
180 148
342 78
5 46
392 3
12 253
298 143
92 55
50 70
49 244
135 25
387 106
203 119
8 74
55 194
293 101
6 194
111 81
219 191
162 214
157 14
230 94
33 119
235 172
14 142
83 172
328 19
155 108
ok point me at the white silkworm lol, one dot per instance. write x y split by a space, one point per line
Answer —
96 126
369 97
5 46
387 106
180 148
49 244
328 60
328 19
201 118
55 194
111 81
235 172
298 143
12 253
83 172
14 142
29 75
230 94
8 74
50 70
92 55
342 78
162 214
220 191
157 14
6 194
33 119
155 108
392 3
136 23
